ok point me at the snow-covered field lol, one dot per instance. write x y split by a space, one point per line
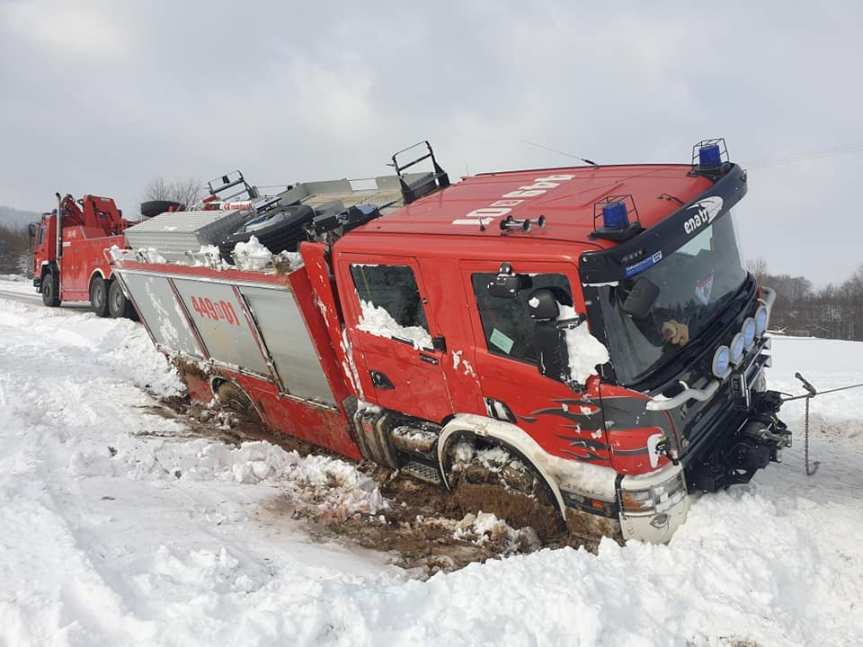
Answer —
118 528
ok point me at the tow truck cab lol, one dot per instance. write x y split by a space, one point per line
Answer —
596 320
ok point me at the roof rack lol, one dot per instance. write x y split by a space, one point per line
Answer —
428 182
229 180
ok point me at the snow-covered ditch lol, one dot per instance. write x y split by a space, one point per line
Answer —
113 535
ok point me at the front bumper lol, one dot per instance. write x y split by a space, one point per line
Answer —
665 500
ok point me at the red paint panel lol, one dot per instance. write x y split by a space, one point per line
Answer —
317 425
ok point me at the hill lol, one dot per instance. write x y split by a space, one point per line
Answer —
16 218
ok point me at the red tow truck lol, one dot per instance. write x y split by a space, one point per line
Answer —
69 261
584 341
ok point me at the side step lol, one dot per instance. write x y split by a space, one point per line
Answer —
422 472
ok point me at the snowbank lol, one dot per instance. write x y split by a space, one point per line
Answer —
117 528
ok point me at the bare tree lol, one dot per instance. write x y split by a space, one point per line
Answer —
185 191
758 267
14 249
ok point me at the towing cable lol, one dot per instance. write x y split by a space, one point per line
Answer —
812 392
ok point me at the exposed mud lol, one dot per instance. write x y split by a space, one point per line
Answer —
425 527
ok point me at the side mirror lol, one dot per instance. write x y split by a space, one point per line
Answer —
542 305
31 229
553 354
641 298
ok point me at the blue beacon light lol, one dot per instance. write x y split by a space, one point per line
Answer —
614 216
709 156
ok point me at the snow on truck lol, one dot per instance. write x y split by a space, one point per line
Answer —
580 347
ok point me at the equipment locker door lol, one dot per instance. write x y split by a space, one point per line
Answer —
392 327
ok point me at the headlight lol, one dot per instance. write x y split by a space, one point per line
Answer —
761 317
737 349
656 499
748 332
721 365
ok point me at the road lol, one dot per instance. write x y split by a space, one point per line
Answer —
24 292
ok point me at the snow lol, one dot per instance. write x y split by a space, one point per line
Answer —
207 256
377 321
101 543
585 351
252 255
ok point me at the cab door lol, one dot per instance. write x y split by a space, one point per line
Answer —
396 344
564 422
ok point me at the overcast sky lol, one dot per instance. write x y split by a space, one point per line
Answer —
101 97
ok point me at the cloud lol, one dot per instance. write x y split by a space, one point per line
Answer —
101 97
68 28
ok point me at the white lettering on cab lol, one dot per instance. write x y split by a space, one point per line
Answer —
483 216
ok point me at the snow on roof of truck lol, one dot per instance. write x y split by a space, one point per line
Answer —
565 196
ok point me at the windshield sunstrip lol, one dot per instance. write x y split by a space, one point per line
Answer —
642 252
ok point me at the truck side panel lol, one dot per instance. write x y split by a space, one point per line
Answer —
266 336
84 255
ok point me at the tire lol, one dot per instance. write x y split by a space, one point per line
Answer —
51 290
118 304
233 398
278 231
155 207
99 296
511 489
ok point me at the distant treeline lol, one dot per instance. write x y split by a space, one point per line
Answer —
14 249
834 312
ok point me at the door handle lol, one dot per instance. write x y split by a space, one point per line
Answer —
428 359
380 380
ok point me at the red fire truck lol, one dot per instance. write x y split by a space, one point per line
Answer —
580 341
69 263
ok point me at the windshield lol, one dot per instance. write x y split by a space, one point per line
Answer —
694 283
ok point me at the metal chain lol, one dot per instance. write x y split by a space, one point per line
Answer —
809 470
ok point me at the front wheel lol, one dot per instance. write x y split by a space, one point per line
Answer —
51 290
491 478
99 296
118 304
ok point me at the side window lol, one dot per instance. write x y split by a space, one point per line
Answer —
508 328
391 304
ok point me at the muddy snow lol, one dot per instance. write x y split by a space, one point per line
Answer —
121 525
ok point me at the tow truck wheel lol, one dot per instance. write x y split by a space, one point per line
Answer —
491 478
118 304
50 290
99 296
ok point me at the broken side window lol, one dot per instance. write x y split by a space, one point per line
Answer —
506 322
391 304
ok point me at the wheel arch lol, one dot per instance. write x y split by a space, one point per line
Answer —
218 380
505 433
48 267
97 272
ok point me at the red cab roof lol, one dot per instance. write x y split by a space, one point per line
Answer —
565 196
